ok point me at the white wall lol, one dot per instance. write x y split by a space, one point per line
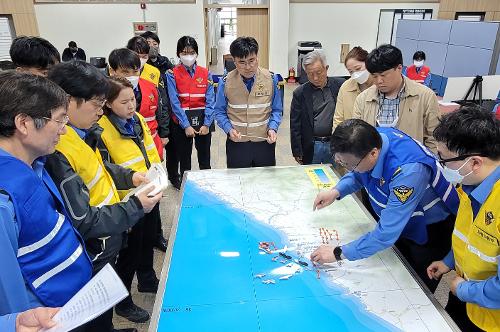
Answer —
278 36
100 28
336 23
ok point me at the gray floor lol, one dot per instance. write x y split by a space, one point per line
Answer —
170 203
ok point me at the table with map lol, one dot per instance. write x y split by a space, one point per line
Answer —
238 260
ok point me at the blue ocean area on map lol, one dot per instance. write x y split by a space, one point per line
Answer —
213 285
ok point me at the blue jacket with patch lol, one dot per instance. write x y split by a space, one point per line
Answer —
407 191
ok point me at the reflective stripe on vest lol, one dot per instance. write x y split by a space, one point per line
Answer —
150 118
249 111
476 248
402 150
87 163
249 125
125 152
249 106
46 237
37 245
49 274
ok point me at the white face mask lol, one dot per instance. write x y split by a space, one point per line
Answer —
361 76
453 175
134 80
418 64
188 60
143 62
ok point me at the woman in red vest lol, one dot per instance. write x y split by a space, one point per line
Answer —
418 72
192 97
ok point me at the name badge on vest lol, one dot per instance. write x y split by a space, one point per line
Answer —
261 92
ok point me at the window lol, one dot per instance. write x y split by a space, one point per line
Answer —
6 36
470 16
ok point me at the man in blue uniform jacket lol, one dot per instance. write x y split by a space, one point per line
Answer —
414 203
44 261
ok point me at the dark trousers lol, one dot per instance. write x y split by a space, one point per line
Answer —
171 156
184 147
438 246
458 312
139 250
250 154
145 271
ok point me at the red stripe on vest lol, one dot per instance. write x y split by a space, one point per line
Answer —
198 84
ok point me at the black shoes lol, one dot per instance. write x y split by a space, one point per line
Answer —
176 182
161 243
129 310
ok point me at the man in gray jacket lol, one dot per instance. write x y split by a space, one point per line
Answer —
76 169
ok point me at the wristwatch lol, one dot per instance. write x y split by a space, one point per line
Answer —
337 252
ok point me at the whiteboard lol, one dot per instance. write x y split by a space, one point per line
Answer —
457 87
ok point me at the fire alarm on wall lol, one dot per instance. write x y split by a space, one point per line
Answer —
143 5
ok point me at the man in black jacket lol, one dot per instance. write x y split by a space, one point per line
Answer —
311 112
73 52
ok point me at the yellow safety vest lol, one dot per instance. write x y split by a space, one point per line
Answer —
87 163
476 247
124 151
150 73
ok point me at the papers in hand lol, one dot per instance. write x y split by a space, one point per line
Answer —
100 294
158 179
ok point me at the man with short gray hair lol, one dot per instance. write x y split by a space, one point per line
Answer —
311 112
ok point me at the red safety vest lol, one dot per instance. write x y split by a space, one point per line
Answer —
412 74
191 92
149 105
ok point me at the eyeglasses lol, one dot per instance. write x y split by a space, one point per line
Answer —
61 123
462 157
341 163
98 103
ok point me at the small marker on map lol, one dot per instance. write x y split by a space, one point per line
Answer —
268 281
317 274
288 276
260 275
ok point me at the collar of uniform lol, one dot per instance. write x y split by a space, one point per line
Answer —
351 85
378 170
81 132
189 70
121 123
37 166
410 88
483 190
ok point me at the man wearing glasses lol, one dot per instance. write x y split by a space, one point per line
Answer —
87 183
468 143
407 190
44 262
248 108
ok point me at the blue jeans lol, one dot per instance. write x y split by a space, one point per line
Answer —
322 153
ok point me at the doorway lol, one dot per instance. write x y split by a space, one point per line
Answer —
223 24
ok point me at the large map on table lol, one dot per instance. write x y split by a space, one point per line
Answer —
239 261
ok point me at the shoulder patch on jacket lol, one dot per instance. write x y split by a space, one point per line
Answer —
403 193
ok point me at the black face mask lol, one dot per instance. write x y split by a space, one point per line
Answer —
154 52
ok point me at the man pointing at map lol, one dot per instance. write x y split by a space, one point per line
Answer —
408 192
